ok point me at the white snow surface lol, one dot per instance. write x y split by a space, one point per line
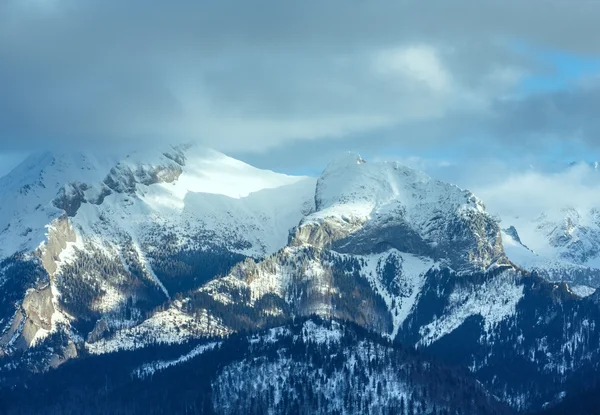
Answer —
582 290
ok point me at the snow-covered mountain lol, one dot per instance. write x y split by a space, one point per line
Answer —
558 236
361 255
107 255
199 189
118 235
561 244
364 208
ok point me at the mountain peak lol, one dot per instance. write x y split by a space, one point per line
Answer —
345 160
363 207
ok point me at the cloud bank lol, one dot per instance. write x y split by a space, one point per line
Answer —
264 76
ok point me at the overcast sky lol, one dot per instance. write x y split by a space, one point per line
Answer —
287 85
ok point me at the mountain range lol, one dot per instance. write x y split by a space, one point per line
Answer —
373 288
561 240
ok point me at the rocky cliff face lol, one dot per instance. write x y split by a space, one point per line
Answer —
37 310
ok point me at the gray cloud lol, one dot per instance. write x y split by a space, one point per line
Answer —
272 76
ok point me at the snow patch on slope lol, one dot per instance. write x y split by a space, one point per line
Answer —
495 300
263 218
582 290
271 336
274 275
313 333
149 369
408 279
165 327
